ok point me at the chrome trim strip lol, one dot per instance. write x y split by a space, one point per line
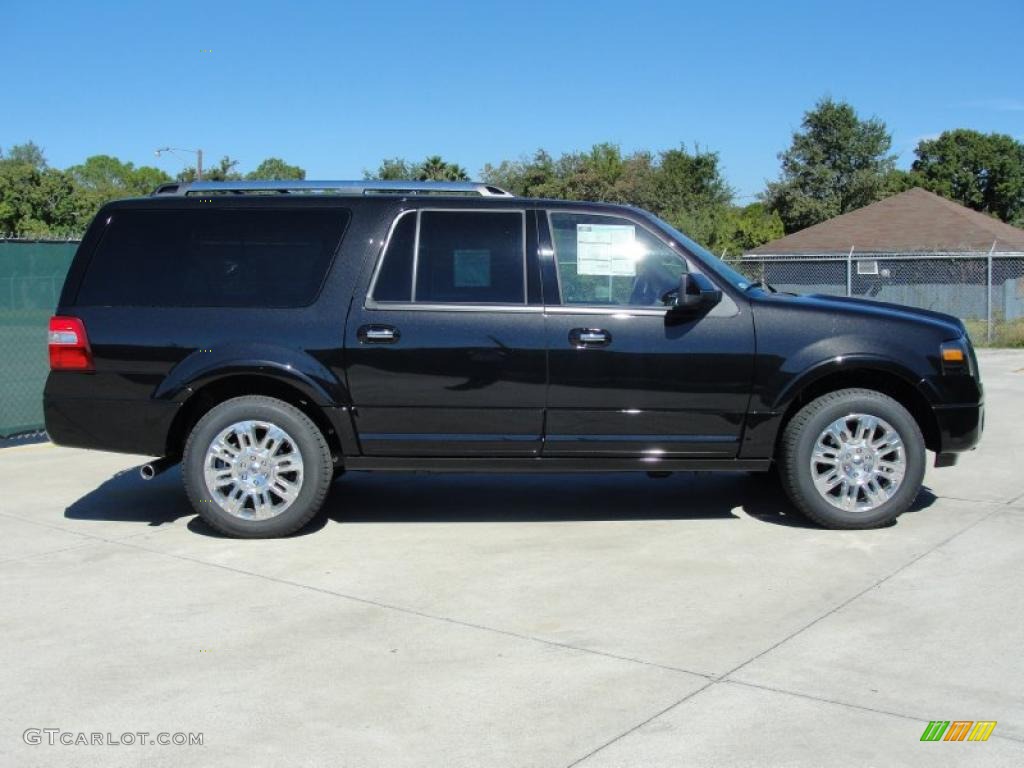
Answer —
641 438
589 463
586 309
407 306
453 437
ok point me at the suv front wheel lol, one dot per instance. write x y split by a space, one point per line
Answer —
256 467
854 458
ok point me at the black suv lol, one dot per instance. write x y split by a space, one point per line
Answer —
270 335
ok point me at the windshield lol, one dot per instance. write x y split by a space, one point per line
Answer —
720 268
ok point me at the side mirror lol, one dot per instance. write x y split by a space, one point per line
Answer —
696 294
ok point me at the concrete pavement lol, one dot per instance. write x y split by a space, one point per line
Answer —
515 621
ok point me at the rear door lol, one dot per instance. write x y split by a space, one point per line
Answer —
446 351
625 379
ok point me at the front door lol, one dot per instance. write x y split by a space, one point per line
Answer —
626 380
445 356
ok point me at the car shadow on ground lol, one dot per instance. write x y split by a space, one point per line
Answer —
386 497
127 498
363 497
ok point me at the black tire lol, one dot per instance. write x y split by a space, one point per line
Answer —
317 470
797 445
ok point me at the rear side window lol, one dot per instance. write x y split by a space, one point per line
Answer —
212 258
394 283
455 257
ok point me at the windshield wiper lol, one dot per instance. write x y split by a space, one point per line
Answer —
763 285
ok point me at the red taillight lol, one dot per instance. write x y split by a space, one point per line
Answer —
69 346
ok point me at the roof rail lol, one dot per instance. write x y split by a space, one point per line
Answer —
335 187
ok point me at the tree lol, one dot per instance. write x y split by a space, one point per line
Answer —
754 225
685 188
223 171
982 171
393 169
673 181
37 201
689 182
29 153
436 168
275 168
102 178
433 168
835 164
526 177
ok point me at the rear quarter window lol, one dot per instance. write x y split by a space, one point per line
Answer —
212 258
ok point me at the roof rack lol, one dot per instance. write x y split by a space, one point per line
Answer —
335 187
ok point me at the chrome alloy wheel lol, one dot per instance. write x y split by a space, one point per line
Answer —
253 470
858 462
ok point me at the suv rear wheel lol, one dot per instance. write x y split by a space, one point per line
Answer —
256 467
854 458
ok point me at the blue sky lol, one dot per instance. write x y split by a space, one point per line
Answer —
337 86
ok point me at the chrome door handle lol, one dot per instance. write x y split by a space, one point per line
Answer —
589 337
378 334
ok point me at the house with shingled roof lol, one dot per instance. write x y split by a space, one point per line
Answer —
915 221
913 248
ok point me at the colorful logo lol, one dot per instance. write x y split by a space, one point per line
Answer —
958 730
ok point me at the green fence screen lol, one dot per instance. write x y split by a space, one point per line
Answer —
31 276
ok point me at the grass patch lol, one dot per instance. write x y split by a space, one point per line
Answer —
1005 333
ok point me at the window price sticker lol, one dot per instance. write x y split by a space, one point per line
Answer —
605 249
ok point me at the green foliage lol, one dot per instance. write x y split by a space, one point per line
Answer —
223 171
433 168
29 153
835 164
898 180
39 201
36 200
275 168
102 178
685 188
392 169
533 177
982 171
752 226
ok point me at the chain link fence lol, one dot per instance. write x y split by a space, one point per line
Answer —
985 290
31 275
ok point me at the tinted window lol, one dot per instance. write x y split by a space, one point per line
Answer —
470 257
212 258
394 281
610 261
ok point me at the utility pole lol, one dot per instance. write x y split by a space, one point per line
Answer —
988 293
197 152
849 272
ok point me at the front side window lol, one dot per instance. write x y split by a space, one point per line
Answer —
611 261
454 257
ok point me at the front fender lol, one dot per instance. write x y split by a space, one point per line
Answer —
763 424
839 363
289 366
